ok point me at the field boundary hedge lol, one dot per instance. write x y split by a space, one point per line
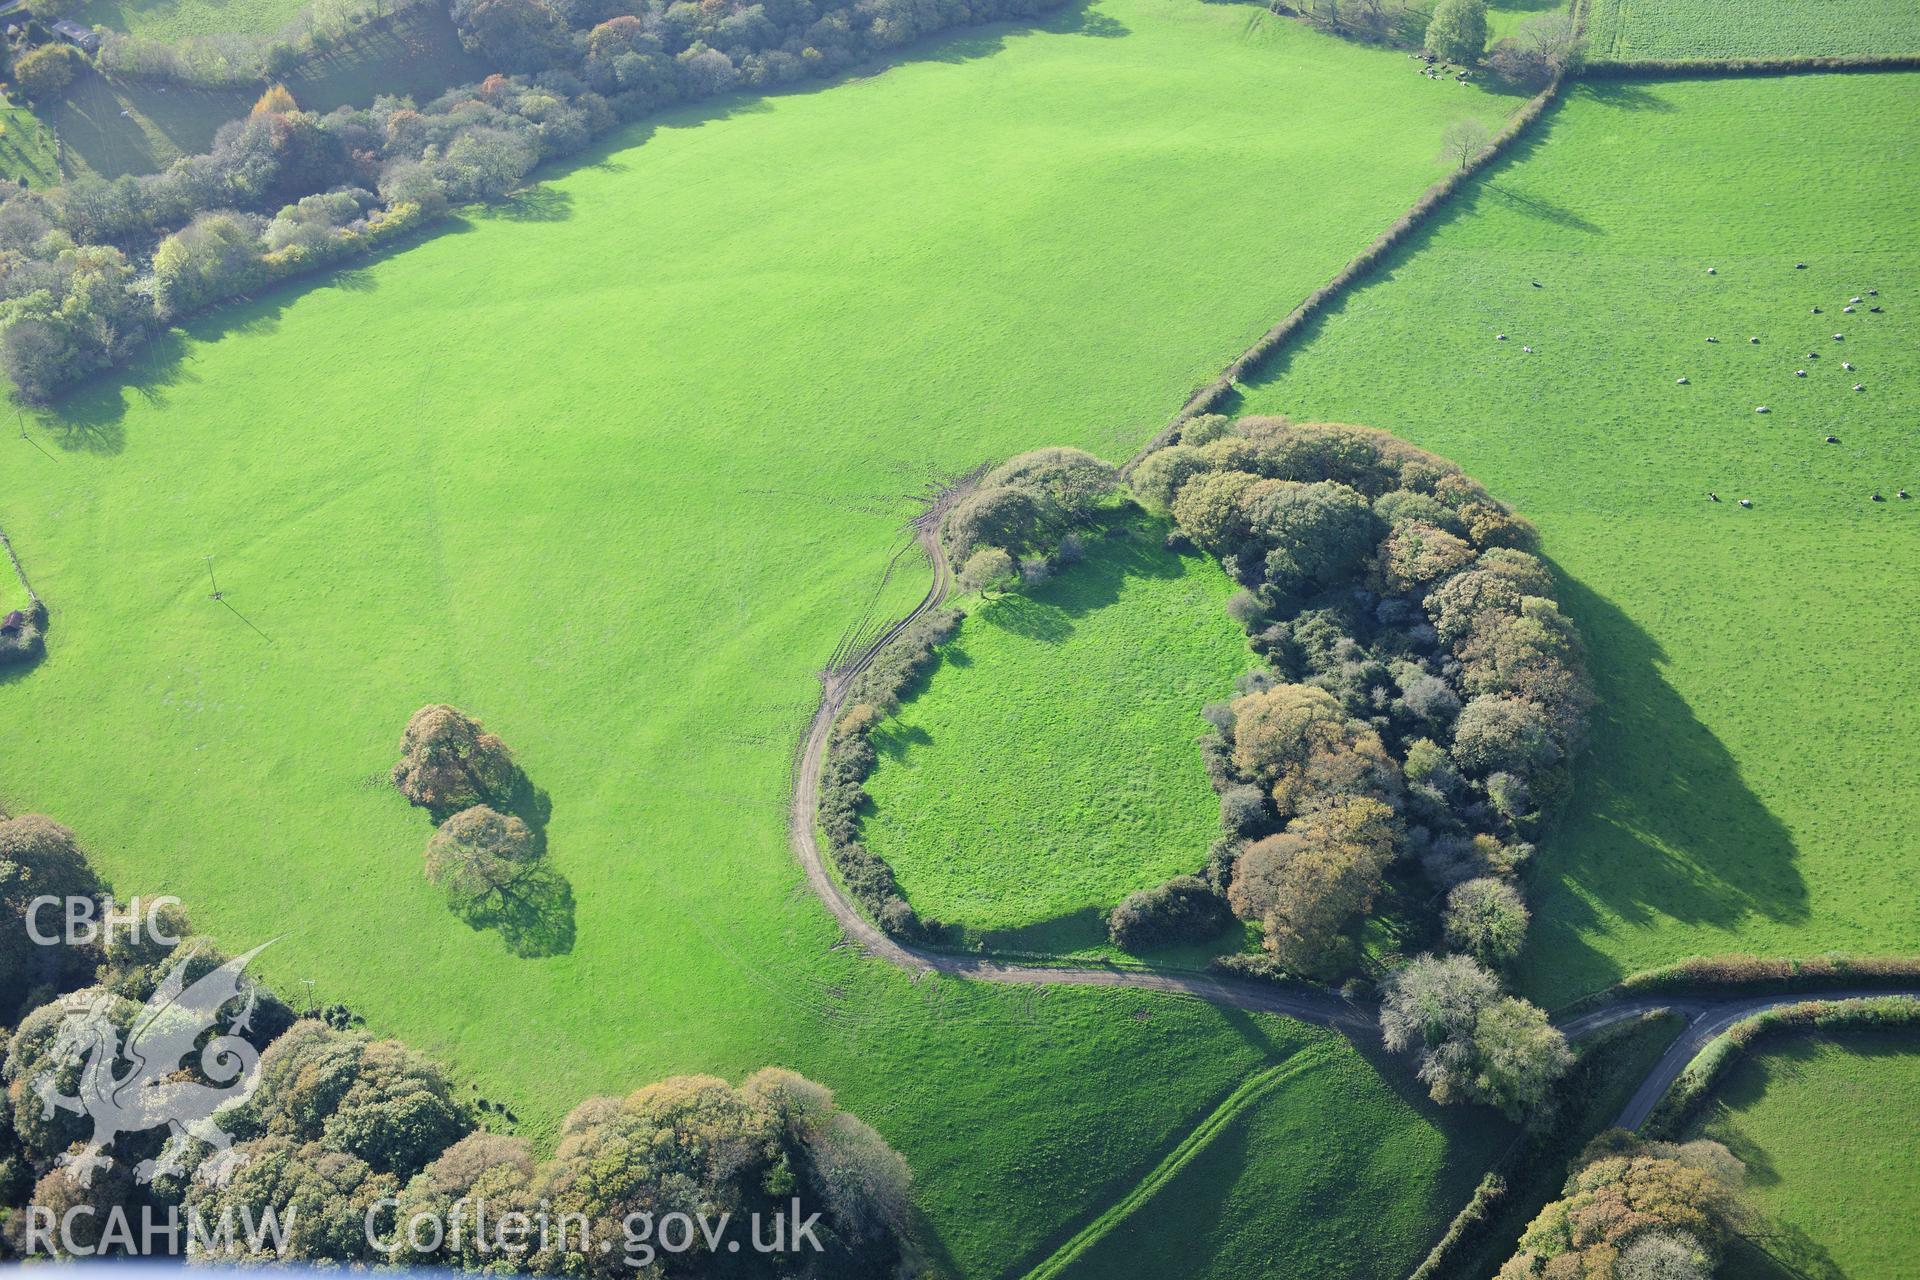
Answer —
1208 398
1743 972
1680 68
1711 1064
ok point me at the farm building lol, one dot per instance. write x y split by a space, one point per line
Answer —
82 38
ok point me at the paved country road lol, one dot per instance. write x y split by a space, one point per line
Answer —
1707 1015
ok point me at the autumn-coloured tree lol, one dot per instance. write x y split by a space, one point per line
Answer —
1626 1191
276 101
448 762
1296 740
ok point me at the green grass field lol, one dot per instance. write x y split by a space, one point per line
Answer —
612 468
176 19
114 127
1747 786
1826 1126
27 150
1622 30
1337 1145
1048 769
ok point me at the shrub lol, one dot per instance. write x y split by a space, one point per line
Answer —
1184 909
43 72
1487 919
990 569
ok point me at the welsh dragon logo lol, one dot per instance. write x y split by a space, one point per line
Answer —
155 1089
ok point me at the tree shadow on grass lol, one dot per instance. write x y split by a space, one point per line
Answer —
1624 95
1661 824
1116 549
533 916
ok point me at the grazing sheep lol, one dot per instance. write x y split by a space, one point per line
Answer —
1833 439
1799 373
1760 408
1713 339
1847 365
1713 271
1538 285
1755 341
1712 496
1816 311
1839 337
1877 497
1903 494
1873 293
1499 337
1799 266
1679 382
1859 386
1854 298
1846 310
1874 310
1528 350
1746 502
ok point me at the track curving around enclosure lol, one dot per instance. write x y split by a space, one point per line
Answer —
1707 1015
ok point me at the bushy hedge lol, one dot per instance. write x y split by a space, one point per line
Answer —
1670 1116
1212 396
873 695
1740 971
1670 68
25 640
1184 909
345 1138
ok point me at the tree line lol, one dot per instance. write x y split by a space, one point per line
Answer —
95 268
341 1125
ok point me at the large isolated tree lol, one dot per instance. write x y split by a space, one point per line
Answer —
1458 30
481 857
448 762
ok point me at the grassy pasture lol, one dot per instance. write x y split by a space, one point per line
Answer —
27 150
1622 30
175 19
114 127
1825 1126
1747 786
613 467
1048 768
1346 1148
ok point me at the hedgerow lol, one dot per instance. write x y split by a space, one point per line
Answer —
873 695
1681 1101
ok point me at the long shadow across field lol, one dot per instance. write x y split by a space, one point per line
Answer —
1661 821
